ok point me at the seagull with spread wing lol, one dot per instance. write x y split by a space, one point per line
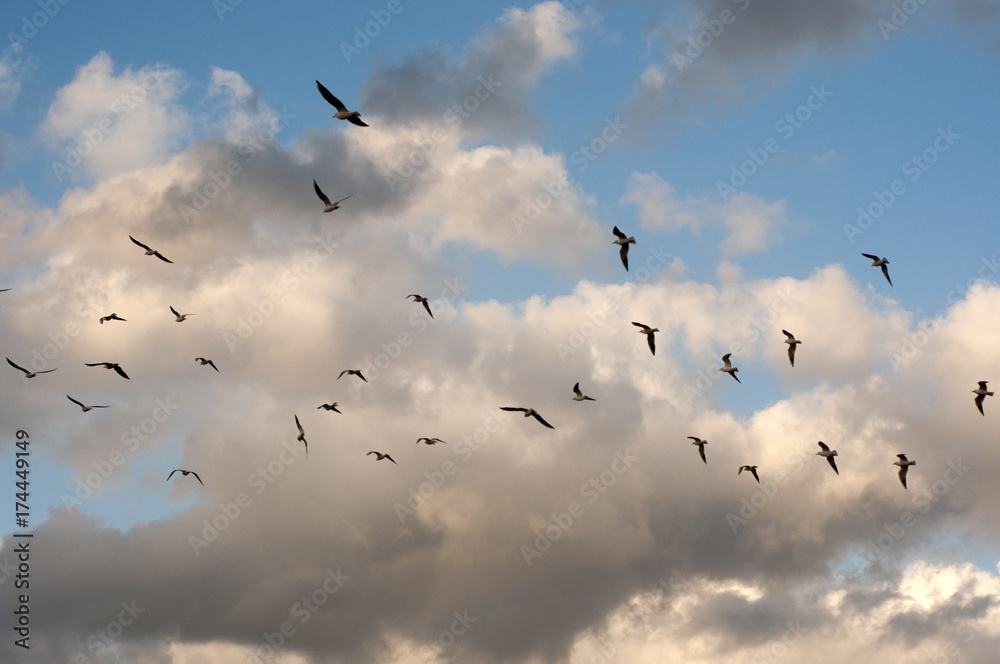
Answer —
112 316
379 456
151 252
650 333
422 300
579 395
342 113
792 343
825 451
302 435
981 394
624 242
110 365
880 262
330 207
185 473
701 447
179 317
729 368
352 372
903 464
753 471
202 361
329 406
528 412
28 374
85 408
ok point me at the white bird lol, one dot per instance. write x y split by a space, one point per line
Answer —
151 252
650 335
302 435
792 343
903 464
430 441
185 473
579 395
753 471
981 394
423 300
113 316
330 207
829 454
85 408
379 456
179 317
880 262
729 368
329 406
110 365
701 447
202 361
528 412
624 242
342 113
353 372
29 374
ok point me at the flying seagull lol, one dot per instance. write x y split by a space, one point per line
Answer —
981 393
330 207
624 242
650 335
880 262
528 412
185 473
110 365
302 435
329 406
792 343
430 441
729 368
342 113
151 252
579 395
379 456
202 361
113 316
85 408
701 448
353 372
903 464
29 374
179 317
829 454
422 300
753 471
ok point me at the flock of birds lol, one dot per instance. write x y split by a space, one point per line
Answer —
621 240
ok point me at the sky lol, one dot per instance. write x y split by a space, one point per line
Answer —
755 149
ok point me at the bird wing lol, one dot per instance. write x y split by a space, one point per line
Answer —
824 447
874 258
345 197
341 374
736 378
387 456
299 426
319 192
121 372
618 233
162 257
701 451
359 375
979 399
17 367
428 308
982 384
174 311
212 364
885 271
539 418
651 339
791 337
833 464
197 478
357 121
139 243
791 354
95 364
624 254
645 328
576 390
725 359
754 471
328 96
172 473
75 401
512 408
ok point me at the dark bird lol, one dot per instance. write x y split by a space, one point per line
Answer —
185 473
579 395
753 471
4 290
903 464
792 343
342 113
981 393
880 262
423 300
179 317
353 372
650 333
151 252
379 456
330 207
430 441
202 361
701 448
302 435
110 317
110 365
729 368
329 406
528 412
624 242
829 454
29 374
85 408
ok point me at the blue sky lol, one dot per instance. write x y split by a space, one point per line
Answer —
286 297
